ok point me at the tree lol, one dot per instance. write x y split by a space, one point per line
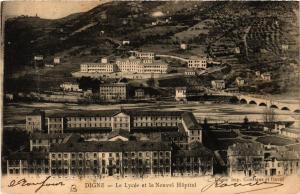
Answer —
246 122
205 124
269 117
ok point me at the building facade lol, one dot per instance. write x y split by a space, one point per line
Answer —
180 93
70 87
129 120
35 121
113 91
197 62
118 159
245 159
218 84
97 68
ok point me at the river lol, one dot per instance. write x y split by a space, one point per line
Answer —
14 113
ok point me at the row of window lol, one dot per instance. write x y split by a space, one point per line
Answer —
110 154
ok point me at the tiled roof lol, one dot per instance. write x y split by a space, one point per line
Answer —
190 121
114 84
295 147
28 156
246 149
48 136
110 113
111 146
284 155
122 133
199 151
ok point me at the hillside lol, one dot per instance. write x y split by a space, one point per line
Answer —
259 29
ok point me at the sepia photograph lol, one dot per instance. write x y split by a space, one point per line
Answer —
150 96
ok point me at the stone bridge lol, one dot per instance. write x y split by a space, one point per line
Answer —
264 101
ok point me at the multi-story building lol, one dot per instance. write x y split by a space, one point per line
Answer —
130 120
197 62
139 93
35 121
97 68
131 64
56 60
113 91
281 162
191 127
196 161
103 67
19 163
266 76
239 81
245 159
42 141
111 158
190 72
180 93
70 87
218 84
134 65
156 67
144 55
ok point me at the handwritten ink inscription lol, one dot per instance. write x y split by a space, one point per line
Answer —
45 183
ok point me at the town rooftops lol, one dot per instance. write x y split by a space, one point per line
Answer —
198 151
114 84
48 136
246 149
122 133
110 113
36 112
28 156
283 155
67 137
111 146
294 147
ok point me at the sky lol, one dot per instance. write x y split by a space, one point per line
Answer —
48 9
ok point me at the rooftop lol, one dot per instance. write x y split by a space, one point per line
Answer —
190 121
110 113
28 156
111 146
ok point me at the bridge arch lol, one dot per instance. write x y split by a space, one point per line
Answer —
262 104
285 108
243 101
273 106
297 111
252 102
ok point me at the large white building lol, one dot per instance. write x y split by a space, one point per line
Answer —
103 67
134 65
197 62
97 68
144 55
141 63
70 87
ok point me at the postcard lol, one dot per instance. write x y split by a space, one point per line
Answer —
150 97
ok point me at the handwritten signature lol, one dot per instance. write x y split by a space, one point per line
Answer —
221 183
23 183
